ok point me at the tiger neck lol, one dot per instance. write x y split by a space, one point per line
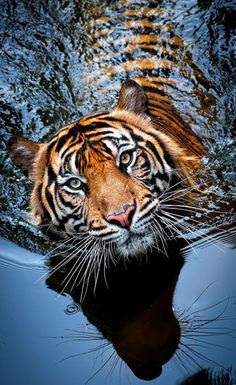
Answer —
166 119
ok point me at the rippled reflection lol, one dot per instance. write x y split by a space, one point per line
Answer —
134 310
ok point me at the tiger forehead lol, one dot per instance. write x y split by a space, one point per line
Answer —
93 129
89 156
73 139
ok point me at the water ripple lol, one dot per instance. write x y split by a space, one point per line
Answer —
16 257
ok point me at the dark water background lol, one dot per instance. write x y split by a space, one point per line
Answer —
46 57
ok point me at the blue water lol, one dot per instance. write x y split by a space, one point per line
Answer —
36 322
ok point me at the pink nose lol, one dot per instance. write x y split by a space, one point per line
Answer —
122 217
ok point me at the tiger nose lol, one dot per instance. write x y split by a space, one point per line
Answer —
122 217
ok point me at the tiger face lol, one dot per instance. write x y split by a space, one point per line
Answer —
102 178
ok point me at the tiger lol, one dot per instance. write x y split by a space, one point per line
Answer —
138 317
106 179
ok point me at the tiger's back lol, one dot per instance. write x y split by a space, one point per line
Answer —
136 40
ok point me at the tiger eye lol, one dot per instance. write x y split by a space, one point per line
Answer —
74 183
126 158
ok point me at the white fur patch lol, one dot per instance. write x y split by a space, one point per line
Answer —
135 245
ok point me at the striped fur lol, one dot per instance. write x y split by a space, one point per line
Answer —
80 180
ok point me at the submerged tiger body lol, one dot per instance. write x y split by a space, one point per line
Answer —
102 179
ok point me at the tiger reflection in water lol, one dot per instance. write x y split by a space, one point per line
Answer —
134 312
137 316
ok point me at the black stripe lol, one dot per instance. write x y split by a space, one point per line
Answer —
149 196
115 119
68 148
39 196
107 150
99 124
45 211
77 227
136 138
153 89
168 158
61 142
72 133
145 174
149 145
51 145
94 134
147 164
51 175
145 206
100 228
160 176
64 202
50 202
71 216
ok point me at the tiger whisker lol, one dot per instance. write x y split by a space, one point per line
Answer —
187 227
82 263
208 307
168 193
176 194
97 371
85 279
189 358
205 344
70 274
69 257
97 348
95 266
60 264
187 208
201 356
160 231
90 268
179 182
77 267
58 247
116 359
102 258
176 219
172 224
180 363
106 264
169 223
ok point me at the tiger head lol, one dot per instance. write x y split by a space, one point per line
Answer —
104 176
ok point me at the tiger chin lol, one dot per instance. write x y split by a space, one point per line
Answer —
104 178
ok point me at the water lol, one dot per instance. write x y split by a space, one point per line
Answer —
51 74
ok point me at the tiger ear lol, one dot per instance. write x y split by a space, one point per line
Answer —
132 98
23 153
